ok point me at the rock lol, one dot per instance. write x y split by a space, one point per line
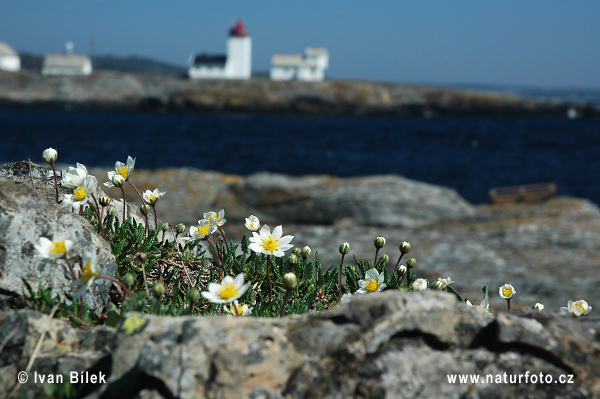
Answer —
118 90
28 212
389 344
315 200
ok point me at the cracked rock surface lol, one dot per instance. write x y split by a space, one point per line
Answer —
386 345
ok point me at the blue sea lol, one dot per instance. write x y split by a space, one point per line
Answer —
468 153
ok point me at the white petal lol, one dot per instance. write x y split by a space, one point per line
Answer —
277 232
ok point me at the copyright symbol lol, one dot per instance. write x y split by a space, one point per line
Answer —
22 377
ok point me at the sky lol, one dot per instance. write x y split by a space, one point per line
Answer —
536 43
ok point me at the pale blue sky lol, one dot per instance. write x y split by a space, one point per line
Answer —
546 43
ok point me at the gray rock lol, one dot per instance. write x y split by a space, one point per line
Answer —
26 214
390 344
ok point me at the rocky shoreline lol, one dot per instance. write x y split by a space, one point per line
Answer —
389 344
117 90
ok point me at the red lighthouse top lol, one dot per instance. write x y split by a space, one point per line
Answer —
238 30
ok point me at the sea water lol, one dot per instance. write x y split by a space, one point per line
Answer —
468 153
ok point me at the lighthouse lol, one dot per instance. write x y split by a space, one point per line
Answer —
239 53
237 64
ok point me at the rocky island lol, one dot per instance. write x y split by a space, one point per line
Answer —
120 90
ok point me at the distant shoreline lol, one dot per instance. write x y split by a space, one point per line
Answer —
111 90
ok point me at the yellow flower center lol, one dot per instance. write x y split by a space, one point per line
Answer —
80 193
237 309
507 292
270 244
87 272
123 171
371 285
203 230
228 290
58 247
580 307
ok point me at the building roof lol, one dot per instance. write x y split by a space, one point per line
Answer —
316 51
287 60
238 30
65 60
213 60
5 50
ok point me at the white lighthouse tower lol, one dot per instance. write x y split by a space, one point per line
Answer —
239 53
237 64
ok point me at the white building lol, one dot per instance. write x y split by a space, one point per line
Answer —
237 64
308 67
67 63
9 59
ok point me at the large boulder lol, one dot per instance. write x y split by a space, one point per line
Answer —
390 344
390 200
28 211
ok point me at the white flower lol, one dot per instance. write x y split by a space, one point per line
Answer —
270 244
228 291
373 282
218 218
80 195
538 306
420 284
235 309
50 155
483 305
54 249
252 223
507 291
442 283
75 176
577 308
152 196
88 274
203 230
124 170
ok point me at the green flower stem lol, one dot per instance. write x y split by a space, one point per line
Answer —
119 282
55 180
398 279
73 276
269 277
375 261
156 220
340 287
216 256
285 299
100 225
142 200
224 238
124 205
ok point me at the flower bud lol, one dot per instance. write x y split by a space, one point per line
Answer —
411 263
158 289
111 210
194 295
292 259
404 247
128 280
379 242
50 155
402 270
385 258
306 252
164 226
180 228
344 248
145 209
297 251
118 180
538 306
290 281
104 201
